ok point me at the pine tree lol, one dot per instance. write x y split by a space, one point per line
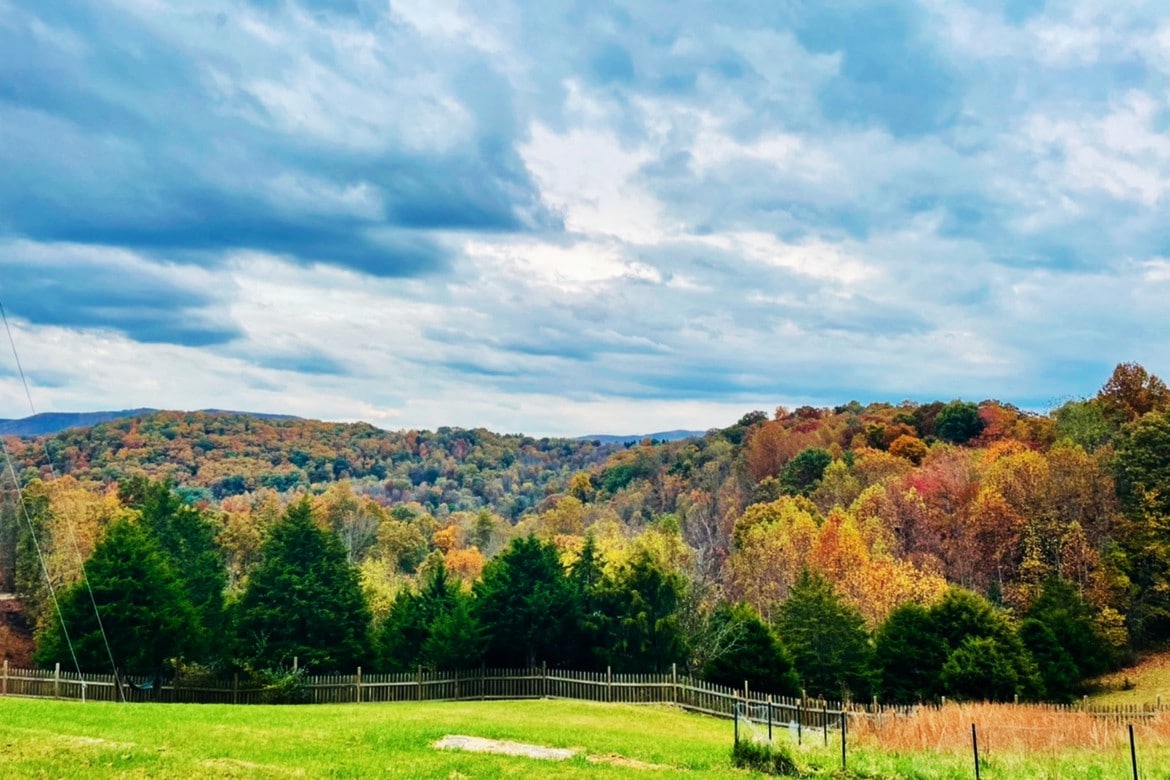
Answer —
303 600
145 614
526 606
827 639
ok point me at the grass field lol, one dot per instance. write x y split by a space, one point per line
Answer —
1144 683
44 738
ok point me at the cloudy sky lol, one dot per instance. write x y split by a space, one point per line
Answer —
579 217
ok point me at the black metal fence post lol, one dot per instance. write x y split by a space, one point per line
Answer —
843 765
1133 753
975 747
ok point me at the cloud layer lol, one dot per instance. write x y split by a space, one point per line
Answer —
611 217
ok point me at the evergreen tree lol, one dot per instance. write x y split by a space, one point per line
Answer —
413 617
526 606
188 539
1064 611
748 650
145 614
981 669
303 600
1058 671
909 655
961 616
595 625
455 640
645 631
827 639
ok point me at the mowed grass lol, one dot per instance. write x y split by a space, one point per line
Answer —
44 738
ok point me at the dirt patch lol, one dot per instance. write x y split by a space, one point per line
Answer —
250 768
503 748
629 763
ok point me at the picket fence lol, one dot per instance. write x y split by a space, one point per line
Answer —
484 684
481 684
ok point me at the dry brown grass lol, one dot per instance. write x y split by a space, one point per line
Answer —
1007 728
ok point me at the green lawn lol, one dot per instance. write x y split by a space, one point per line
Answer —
44 738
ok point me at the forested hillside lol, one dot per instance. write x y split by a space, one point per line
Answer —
905 550
213 455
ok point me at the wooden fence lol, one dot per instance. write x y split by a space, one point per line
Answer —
482 684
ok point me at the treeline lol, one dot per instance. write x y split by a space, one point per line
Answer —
157 581
210 456
897 507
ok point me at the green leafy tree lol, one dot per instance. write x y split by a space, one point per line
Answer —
145 614
827 639
745 648
803 473
959 422
526 606
909 655
303 600
1142 477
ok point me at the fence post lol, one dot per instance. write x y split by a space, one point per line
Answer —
746 697
609 683
673 680
769 719
359 685
57 681
483 681
418 682
544 679
4 688
843 767
457 685
236 688
800 721
975 747
825 720
1133 753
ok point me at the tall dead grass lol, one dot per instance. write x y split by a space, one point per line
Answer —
1008 728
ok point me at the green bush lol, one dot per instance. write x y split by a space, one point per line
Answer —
769 759
281 686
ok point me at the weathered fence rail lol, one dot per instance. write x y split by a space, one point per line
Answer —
686 692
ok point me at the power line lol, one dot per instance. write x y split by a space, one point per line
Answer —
69 525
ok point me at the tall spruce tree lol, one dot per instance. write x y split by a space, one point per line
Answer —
145 614
526 606
303 600
827 639
188 540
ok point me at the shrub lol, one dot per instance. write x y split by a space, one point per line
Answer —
770 759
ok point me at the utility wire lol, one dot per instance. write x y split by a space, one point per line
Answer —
68 524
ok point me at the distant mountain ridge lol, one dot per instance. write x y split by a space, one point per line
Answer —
49 423
676 435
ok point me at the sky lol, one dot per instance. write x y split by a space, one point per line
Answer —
581 217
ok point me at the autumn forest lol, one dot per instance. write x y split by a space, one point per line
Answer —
906 551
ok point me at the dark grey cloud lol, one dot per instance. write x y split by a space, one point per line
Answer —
56 286
118 132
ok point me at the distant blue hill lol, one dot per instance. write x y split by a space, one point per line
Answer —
48 423
606 438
